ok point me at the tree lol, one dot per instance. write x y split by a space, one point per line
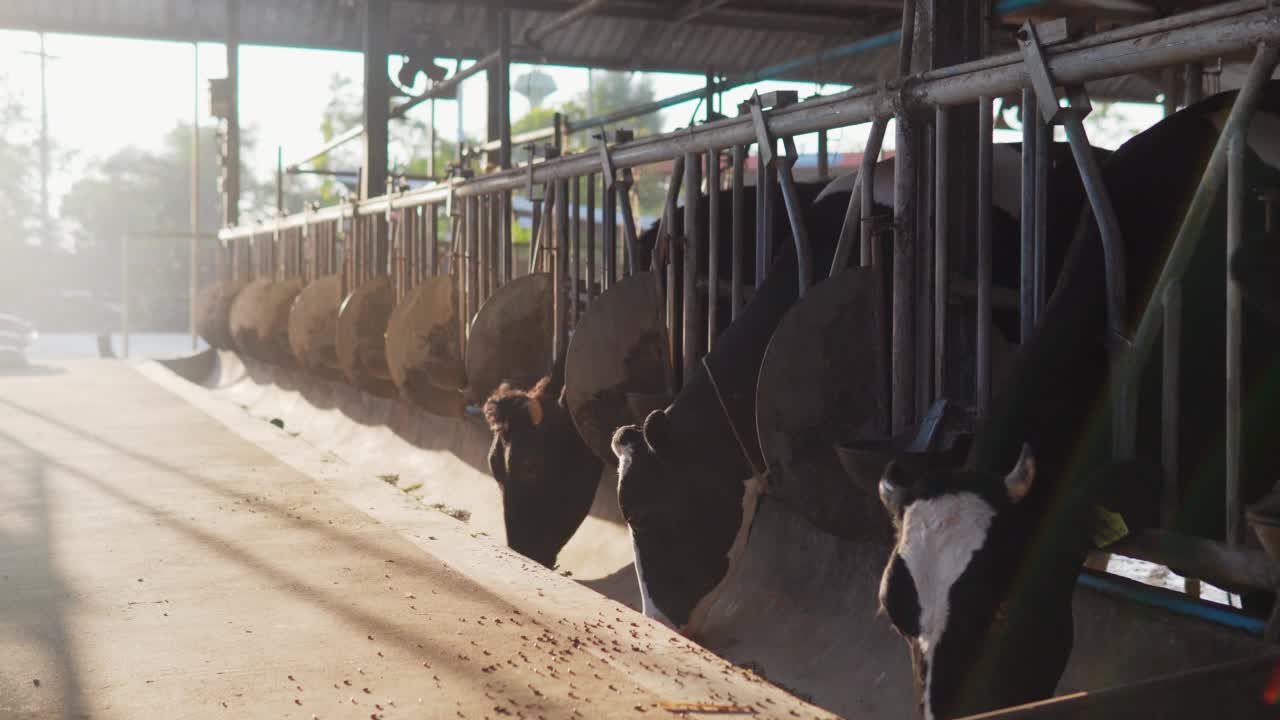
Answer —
17 168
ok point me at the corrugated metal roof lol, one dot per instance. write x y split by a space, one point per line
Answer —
735 37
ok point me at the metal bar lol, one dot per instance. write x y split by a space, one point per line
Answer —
667 222
377 97
483 260
433 231
795 216
690 345
470 256
867 249
591 236
903 366
560 257
1103 55
1044 144
524 138
1236 188
609 238
714 236
575 228
535 35
824 158
941 247
982 382
737 199
535 232
853 214
193 279
630 238
1171 406
503 95
508 241
907 36
1027 279
765 209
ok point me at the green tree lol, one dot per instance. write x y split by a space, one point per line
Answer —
18 163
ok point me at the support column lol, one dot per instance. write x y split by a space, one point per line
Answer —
231 166
951 33
499 79
377 97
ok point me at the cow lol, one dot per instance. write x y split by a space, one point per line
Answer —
547 474
686 487
982 573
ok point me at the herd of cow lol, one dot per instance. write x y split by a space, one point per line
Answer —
985 551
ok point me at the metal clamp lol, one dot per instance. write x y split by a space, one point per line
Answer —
784 164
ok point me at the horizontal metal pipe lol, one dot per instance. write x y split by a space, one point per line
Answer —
1068 66
523 138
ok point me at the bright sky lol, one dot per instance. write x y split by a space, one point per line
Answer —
105 94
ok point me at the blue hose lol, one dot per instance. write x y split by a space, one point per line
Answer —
1174 603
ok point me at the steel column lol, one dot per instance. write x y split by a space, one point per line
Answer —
738 200
982 382
690 344
1027 275
903 364
1236 188
575 228
231 177
560 258
591 237
377 96
713 243
941 244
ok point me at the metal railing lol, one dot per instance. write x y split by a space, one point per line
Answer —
398 234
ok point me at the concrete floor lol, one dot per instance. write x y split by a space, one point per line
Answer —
158 559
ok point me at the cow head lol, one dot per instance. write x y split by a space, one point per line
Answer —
688 522
952 589
547 474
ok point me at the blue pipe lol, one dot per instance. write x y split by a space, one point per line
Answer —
1172 602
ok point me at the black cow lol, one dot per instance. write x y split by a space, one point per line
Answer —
685 486
981 579
547 473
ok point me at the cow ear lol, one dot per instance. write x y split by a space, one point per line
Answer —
1018 482
656 429
626 439
893 487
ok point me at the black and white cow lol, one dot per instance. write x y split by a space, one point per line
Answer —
981 578
547 473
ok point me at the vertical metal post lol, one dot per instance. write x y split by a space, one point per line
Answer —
500 89
1044 145
1027 276
866 235
560 256
903 364
692 238
508 249
764 216
609 237
124 295
824 159
738 200
377 96
982 382
471 226
431 141
591 236
1236 188
433 237
1171 406
575 229
193 279
279 181
941 244
231 183
483 260
535 230
714 237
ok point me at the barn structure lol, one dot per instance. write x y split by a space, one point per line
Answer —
801 330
